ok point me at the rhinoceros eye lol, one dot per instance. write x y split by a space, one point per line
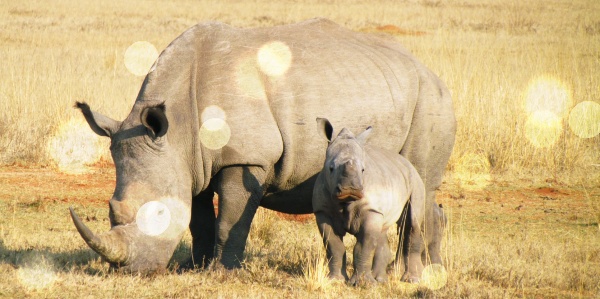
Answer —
330 168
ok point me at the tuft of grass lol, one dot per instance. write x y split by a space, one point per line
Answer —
315 270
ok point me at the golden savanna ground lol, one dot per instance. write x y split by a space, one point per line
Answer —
523 185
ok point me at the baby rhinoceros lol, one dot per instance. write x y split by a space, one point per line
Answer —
362 190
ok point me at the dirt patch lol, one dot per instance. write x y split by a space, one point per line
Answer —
517 205
394 30
549 191
47 183
303 218
516 202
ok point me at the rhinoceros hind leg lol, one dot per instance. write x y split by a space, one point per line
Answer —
413 262
429 143
439 223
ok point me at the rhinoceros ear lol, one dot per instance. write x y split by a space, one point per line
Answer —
100 124
155 120
364 136
325 128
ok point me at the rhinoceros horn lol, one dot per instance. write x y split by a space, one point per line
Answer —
111 245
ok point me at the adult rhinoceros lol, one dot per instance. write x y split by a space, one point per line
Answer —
232 111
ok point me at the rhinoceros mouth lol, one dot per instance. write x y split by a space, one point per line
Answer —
345 195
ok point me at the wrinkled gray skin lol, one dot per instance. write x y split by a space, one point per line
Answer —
362 190
273 155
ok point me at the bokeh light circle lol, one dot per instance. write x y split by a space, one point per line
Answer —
153 218
547 102
546 93
543 128
584 119
211 112
473 171
140 57
36 277
249 79
434 277
274 58
74 145
215 133
180 217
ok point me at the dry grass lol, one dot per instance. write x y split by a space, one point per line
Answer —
520 242
505 238
486 51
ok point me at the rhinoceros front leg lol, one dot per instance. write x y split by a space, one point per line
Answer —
382 257
240 190
367 240
202 228
334 246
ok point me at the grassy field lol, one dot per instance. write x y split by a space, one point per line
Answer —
513 239
515 70
523 184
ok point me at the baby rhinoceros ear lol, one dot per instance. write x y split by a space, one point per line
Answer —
364 136
325 128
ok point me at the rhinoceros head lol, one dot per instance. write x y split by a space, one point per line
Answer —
344 162
149 210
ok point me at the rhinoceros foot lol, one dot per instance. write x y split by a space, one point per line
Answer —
192 265
338 276
381 278
407 277
362 280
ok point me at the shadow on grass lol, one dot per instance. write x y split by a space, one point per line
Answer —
290 266
85 260
589 224
293 269
62 261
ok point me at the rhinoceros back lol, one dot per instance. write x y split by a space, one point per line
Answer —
272 83
353 79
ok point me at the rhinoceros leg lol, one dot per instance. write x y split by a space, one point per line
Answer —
240 190
439 223
367 240
381 258
202 228
411 244
412 258
404 224
428 146
334 245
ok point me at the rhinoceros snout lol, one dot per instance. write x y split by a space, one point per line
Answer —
354 192
126 248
